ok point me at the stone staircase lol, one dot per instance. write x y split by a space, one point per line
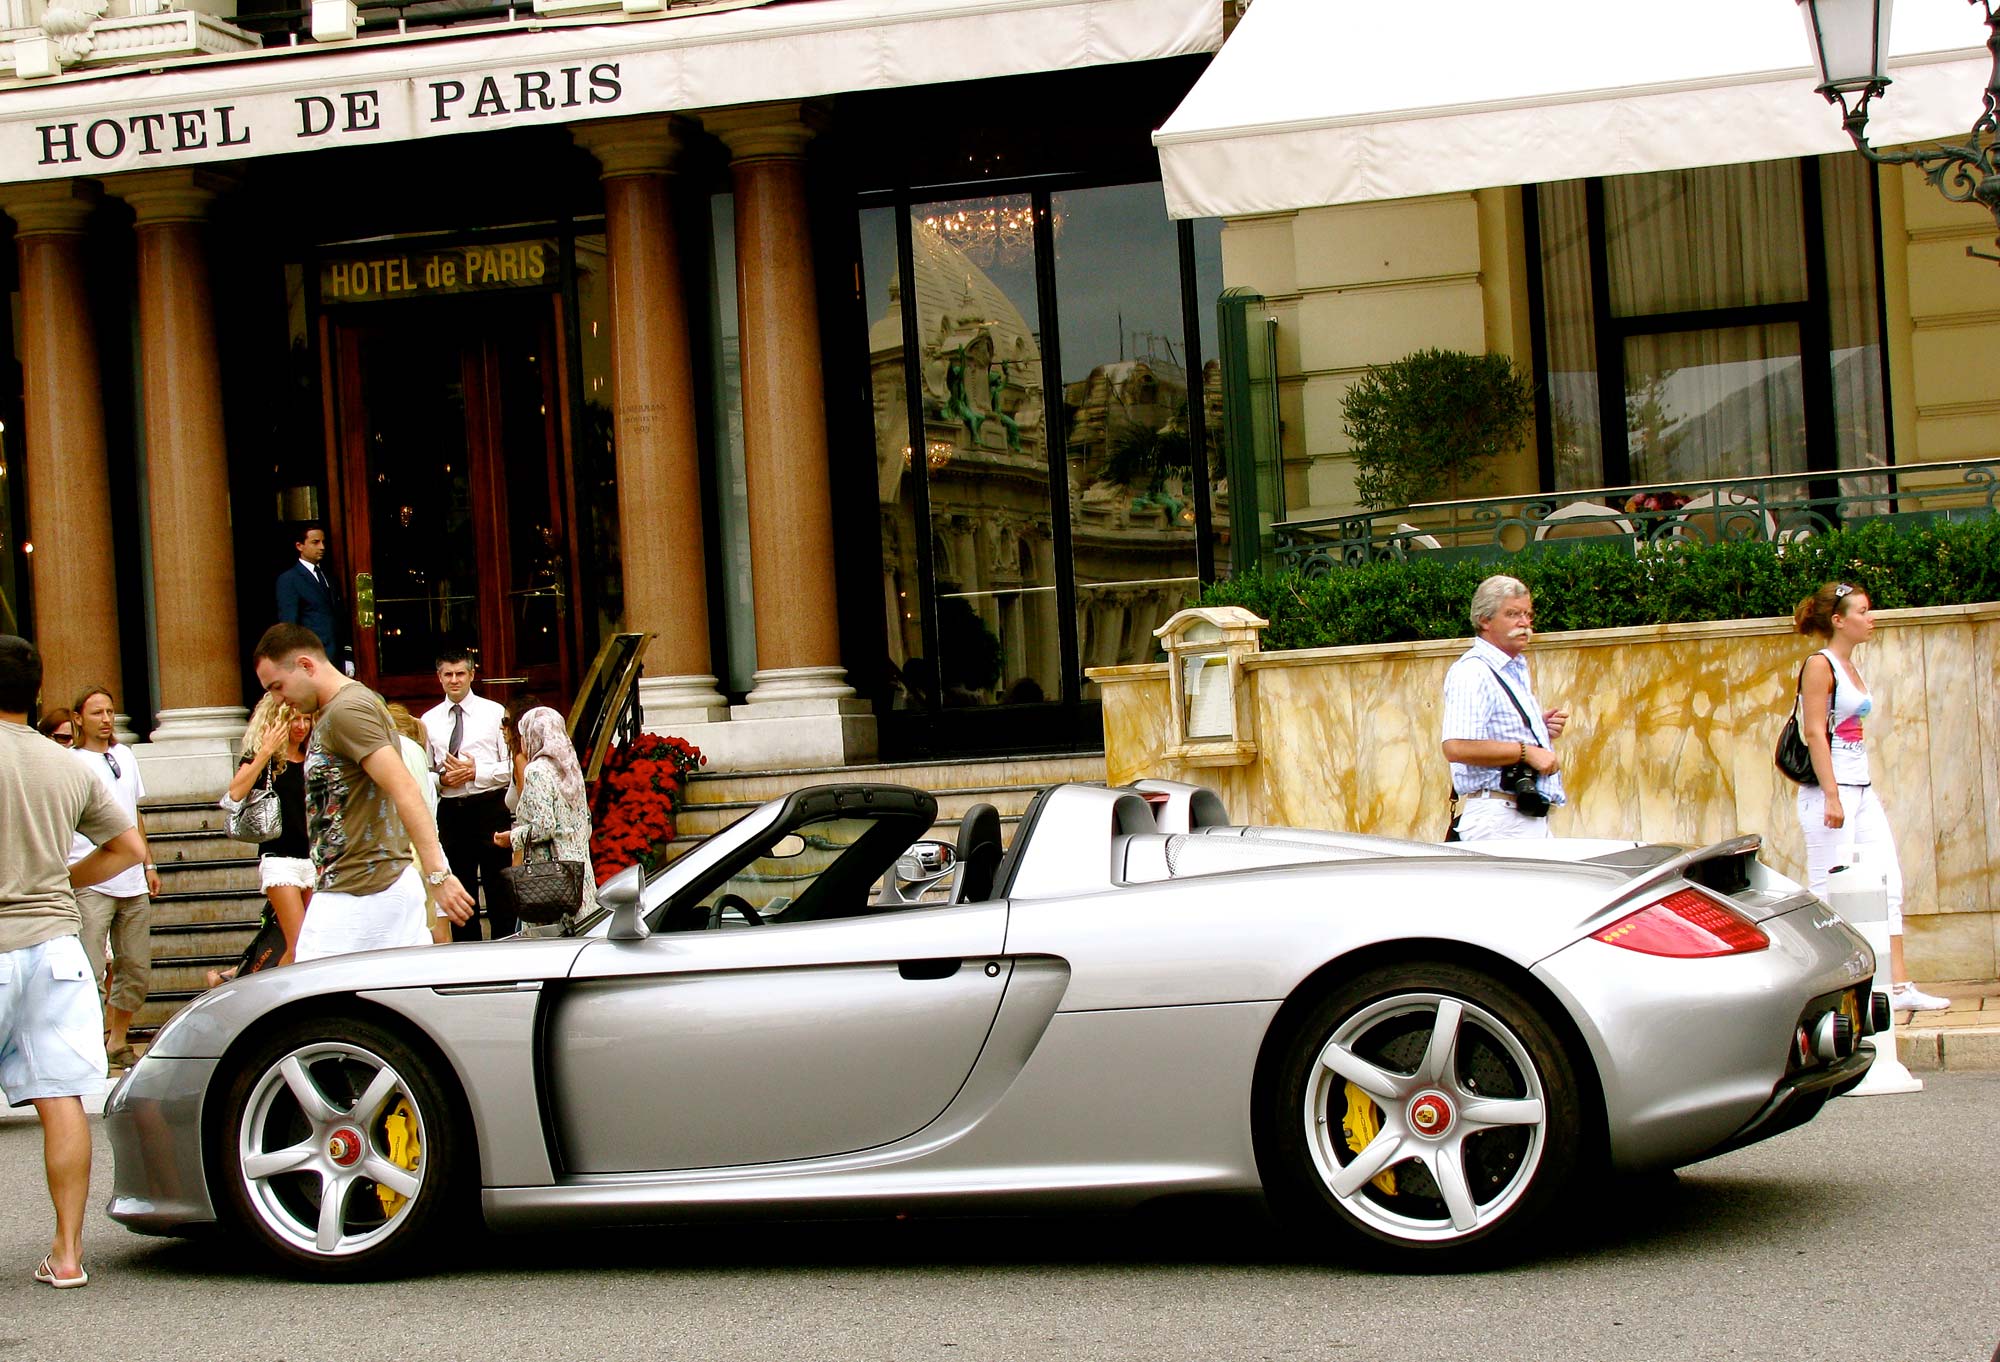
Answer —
716 800
209 904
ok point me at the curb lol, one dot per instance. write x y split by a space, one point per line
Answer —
1957 1050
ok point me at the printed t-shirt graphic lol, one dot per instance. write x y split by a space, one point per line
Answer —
359 844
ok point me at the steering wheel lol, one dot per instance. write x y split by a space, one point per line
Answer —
741 905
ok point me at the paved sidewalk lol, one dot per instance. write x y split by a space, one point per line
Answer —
1965 1036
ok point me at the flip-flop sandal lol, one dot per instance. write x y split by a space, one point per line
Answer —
46 1274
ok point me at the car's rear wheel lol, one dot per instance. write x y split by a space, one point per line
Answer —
1424 1108
337 1150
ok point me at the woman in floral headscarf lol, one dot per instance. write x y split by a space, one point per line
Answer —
552 821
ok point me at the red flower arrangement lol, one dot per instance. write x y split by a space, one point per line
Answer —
634 799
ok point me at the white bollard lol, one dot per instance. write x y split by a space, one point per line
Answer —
1861 896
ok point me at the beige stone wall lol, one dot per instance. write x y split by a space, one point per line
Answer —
1942 322
1363 284
1670 739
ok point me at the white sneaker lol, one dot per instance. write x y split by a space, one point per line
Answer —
1909 998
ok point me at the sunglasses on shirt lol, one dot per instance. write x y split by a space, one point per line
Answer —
112 762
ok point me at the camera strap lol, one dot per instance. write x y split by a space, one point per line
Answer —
1533 732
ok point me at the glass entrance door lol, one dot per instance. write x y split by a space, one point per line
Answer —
454 511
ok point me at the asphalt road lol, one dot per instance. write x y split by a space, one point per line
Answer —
1872 1235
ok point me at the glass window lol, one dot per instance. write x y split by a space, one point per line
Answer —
985 458
732 484
1705 318
1125 404
1714 404
776 882
1692 240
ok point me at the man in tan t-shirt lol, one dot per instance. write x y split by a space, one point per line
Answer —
364 811
51 1048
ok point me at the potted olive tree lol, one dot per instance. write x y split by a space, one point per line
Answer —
1424 423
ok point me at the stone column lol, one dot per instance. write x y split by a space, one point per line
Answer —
68 486
653 422
187 474
799 674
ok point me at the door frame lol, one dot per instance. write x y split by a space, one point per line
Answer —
339 330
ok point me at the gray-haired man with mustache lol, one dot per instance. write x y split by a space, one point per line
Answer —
1492 723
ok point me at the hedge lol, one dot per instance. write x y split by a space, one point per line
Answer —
1602 586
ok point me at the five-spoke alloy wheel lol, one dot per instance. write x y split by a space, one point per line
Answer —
338 1150
1425 1107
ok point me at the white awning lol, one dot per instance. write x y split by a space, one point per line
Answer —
389 90
1345 101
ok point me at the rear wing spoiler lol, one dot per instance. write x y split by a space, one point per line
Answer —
1722 867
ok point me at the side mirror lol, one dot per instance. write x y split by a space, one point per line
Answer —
917 869
621 894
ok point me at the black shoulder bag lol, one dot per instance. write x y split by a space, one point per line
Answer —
1794 758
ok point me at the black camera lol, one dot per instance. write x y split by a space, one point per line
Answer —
1518 780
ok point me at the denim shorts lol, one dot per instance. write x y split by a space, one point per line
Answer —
51 1028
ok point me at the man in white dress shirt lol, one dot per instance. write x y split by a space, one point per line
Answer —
474 770
1491 722
119 909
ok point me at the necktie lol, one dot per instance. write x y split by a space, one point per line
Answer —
324 585
457 729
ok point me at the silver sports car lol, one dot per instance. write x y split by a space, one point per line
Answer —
816 1012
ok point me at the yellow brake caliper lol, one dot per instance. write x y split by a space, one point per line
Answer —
1361 1124
399 1131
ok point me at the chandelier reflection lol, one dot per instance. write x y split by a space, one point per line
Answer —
999 230
936 455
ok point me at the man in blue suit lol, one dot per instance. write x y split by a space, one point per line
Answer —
305 596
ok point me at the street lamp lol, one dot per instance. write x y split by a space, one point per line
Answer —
1850 42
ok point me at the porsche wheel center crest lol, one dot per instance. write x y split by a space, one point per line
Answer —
1431 1114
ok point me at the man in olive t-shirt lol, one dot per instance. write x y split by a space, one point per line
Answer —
364 810
51 1048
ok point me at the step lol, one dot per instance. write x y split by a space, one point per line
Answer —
938 777
169 815
207 905
234 874
177 847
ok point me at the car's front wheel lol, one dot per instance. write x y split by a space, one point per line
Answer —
1426 1109
337 1151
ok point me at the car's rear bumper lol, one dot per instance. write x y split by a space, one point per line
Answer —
1695 1056
1799 1098
153 1117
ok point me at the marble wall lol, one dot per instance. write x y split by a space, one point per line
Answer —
1670 737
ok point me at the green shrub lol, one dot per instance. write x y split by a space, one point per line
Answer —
1424 421
1604 586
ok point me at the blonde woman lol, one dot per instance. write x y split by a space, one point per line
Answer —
275 745
552 821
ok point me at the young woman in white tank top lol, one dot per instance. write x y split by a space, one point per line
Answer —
1843 814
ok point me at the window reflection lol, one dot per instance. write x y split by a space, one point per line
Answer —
1126 400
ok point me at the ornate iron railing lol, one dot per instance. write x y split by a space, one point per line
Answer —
1779 507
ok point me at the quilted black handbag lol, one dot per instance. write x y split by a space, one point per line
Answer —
1794 758
540 891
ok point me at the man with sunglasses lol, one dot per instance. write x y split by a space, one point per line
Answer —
120 909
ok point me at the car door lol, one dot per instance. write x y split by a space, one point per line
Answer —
754 1045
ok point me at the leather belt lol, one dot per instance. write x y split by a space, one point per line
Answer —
1489 794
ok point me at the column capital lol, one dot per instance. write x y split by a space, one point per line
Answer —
52 207
162 196
766 132
634 146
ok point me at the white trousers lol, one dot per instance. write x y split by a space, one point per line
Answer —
1864 828
337 924
1495 820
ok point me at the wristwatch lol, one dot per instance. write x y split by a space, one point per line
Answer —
435 878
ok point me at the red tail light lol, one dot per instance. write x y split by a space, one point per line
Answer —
1685 924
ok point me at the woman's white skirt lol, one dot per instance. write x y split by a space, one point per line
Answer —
294 872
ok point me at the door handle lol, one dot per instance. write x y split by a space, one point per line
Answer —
928 969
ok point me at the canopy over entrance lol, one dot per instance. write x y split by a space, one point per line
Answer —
1317 102
394 88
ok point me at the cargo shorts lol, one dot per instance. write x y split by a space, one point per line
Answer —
51 1029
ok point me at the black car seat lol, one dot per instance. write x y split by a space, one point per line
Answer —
978 854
